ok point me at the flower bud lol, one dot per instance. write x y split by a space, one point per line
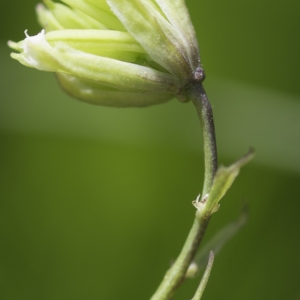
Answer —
115 52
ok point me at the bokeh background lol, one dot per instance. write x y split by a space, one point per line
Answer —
96 202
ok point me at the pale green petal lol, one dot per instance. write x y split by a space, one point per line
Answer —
36 53
153 32
99 95
178 15
58 16
16 46
114 73
66 16
102 4
95 41
183 26
46 19
108 19
91 23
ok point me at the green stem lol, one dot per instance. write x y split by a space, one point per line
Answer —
176 274
204 110
205 278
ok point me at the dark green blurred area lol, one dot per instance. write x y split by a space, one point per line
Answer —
95 203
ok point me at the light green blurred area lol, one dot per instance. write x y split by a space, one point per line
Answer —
96 202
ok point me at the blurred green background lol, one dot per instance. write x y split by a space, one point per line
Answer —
96 202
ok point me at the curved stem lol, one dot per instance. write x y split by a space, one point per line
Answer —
204 110
176 274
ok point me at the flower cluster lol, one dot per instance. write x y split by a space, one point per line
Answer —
115 52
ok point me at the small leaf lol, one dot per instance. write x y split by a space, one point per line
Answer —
223 180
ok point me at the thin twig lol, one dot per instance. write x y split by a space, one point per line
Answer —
205 277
